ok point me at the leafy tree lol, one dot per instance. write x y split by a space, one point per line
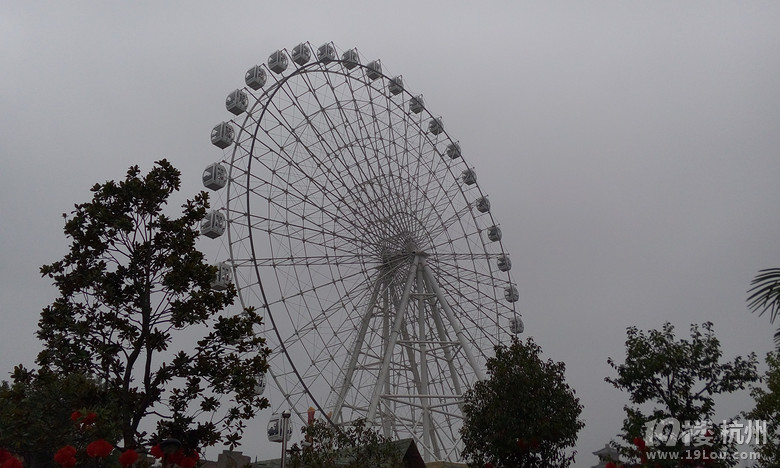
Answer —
131 281
524 414
37 414
675 378
768 409
352 446
764 296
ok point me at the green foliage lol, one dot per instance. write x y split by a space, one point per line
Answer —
524 415
36 414
768 409
675 378
764 296
352 446
132 280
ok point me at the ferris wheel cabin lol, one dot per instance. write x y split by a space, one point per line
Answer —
223 277
277 62
215 176
453 150
222 135
351 59
503 263
516 325
237 102
494 233
483 204
374 70
255 77
213 225
416 104
326 53
396 85
301 54
469 176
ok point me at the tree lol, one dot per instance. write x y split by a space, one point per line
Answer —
524 414
678 380
131 281
352 446
768 409
764 296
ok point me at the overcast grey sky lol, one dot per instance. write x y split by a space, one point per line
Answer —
630 149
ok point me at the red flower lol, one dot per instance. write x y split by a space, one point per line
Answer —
12 462
189 461
75 416
128 457
176 458
89 419
156 451
99 449
611 465
66 457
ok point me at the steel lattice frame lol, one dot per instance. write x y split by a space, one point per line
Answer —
353 231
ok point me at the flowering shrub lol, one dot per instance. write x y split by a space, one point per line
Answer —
128 457
99 449
66 456
100 452
7 460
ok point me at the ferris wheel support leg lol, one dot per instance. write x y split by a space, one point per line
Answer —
387 425
397 322
418 383
454 323
353 357
447 353
423 364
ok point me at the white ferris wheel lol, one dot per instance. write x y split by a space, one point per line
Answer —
359 232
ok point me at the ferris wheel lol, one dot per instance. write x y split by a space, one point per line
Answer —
359 232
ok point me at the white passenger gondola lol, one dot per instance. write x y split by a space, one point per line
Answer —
237 102
326 53
222 135
275 429
416 104
396 85
453 150
516 325
301 54
213 225
511 294
223 278
255 77
469 176
277 62
503 263
494 233
374 70
215 176
483 204
351 59
435 126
